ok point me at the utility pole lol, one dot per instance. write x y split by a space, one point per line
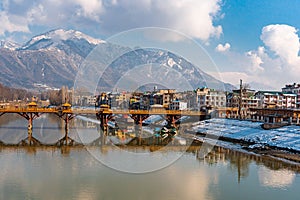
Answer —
240 99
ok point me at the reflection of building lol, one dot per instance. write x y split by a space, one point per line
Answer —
85 124
275 178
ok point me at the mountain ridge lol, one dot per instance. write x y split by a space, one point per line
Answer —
54 58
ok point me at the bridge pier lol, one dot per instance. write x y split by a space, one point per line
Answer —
66 140
138 119
30 140
101 139
104 119
171 120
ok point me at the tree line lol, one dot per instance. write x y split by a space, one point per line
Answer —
56 97
11 94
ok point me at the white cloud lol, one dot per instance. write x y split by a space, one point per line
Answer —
274 64
192 17
90 9
223 48
283 41
255 60
11 23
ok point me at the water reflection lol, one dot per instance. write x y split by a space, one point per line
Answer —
71 173
276 178
48 129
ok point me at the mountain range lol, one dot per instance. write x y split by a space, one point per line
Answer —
54 58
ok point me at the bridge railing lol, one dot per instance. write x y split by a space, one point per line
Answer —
155 111
28 109
109 111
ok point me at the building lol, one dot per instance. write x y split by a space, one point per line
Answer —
178 105
248 101
276 99
167 96
211 98
295 89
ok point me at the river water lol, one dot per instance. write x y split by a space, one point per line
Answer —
84 173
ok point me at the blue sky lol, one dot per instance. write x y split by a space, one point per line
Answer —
256 40
244 19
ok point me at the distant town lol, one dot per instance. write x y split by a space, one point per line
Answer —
243 98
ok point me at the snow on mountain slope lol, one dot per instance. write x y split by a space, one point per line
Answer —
9 45
58 37
53 59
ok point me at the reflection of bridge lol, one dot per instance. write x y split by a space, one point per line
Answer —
67 113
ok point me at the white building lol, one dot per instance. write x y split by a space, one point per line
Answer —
210 97
276 99
295 89
178 105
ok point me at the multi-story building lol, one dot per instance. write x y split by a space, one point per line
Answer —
209 97
276 99
178 105
88 100
268 98
248 99
189 97
167 96
295 89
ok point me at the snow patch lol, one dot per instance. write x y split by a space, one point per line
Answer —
58 35
287 137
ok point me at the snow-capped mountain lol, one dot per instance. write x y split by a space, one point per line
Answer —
139 57
9 45
53 59
57 38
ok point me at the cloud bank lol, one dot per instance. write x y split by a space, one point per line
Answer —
192 17
273 64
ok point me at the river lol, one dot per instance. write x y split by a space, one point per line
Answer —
92 173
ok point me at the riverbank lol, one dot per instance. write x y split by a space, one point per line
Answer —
282 143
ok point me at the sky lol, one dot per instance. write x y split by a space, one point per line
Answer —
253 40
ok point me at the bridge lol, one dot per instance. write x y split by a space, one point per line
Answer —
67 113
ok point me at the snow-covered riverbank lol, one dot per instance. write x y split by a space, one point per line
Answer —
287 137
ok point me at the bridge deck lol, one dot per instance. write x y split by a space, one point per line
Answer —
93 111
